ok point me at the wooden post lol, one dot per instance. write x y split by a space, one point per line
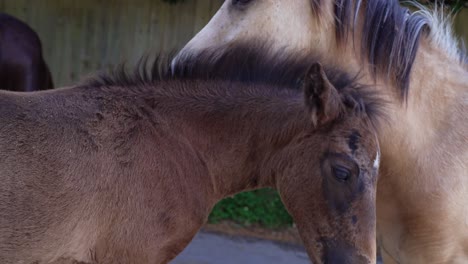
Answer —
82 37
461 25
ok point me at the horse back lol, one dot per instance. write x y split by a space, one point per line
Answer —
42 195
71 159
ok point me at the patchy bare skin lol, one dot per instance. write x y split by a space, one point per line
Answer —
104 173
421 203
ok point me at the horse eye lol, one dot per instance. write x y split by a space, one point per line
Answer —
240 2
342 174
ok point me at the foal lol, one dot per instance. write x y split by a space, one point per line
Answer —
22 67
126 169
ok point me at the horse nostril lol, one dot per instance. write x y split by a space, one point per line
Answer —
343 256
336 257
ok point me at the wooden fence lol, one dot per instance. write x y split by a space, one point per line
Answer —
461 25
82 36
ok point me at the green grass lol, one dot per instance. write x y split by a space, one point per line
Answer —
262 207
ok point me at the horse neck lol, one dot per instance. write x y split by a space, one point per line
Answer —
238 131
437 106
426 132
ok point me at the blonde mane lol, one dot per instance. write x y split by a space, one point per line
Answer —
441 33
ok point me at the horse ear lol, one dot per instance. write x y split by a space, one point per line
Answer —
321 98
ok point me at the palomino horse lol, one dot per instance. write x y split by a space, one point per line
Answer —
126 168
422 215
22 67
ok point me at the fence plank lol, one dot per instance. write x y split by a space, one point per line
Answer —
82 36
461 25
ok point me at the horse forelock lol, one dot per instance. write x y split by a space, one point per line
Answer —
390 35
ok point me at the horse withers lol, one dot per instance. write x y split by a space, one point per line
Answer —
22 67
418 67
125 168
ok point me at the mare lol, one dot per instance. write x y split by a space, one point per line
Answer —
22 67
126 167
416 65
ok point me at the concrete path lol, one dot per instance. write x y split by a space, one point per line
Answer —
211 248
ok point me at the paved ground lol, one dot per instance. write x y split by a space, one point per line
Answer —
210 248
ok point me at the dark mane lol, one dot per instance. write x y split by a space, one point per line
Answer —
246 63
389 38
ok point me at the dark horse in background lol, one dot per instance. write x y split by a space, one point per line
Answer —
22 67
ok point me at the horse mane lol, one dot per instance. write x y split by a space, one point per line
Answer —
249 63
391 34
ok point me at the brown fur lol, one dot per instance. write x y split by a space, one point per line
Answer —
128 173
422 215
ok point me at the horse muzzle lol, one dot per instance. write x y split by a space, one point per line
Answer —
343 255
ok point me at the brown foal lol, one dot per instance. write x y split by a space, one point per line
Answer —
126 168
